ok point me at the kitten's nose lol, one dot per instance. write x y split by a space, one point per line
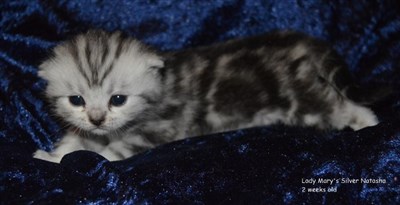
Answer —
97 122
96 117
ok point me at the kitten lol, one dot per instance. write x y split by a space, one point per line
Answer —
119 97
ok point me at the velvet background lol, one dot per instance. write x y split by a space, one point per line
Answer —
258 166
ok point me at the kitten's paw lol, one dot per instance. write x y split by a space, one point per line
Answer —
51 157
361 117
366 119
353 115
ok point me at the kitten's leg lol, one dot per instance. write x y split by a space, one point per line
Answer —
69 143
125 148
355 116
150 135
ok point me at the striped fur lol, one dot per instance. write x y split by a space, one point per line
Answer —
280 77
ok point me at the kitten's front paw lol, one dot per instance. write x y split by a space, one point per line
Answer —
51 157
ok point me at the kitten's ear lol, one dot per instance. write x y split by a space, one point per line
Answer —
156 66
155 63
43 71
42 74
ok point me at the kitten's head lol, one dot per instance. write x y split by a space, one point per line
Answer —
98 81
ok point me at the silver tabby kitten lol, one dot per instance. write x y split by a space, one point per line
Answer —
120 97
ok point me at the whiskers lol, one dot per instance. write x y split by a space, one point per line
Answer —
119 132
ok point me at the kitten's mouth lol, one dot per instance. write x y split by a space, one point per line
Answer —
99 131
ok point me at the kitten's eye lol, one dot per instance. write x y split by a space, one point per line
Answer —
77 100
118 100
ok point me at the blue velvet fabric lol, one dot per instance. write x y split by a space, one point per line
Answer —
266 165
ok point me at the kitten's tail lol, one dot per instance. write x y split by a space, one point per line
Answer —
367 95
362 94
335 71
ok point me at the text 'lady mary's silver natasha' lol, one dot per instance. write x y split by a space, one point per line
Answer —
119 97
